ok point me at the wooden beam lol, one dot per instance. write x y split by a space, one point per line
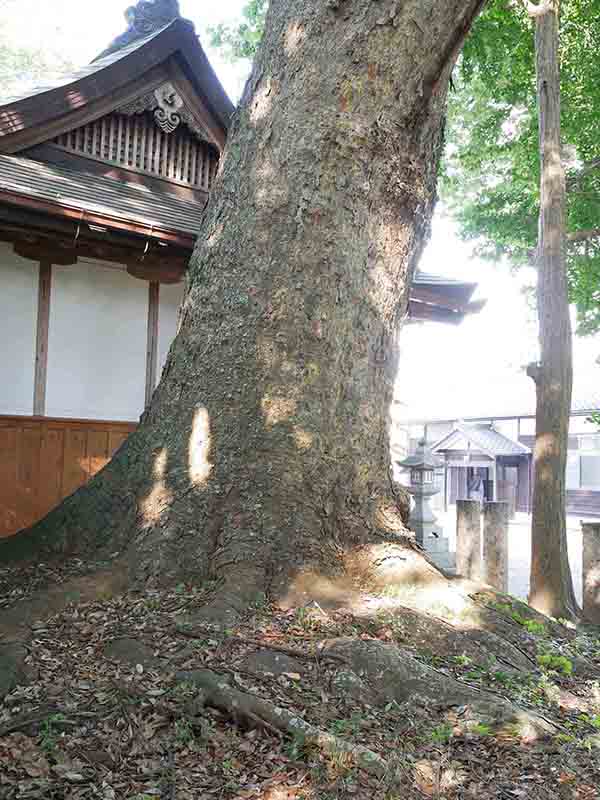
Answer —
439 297
165 264
431 313
434 313
158 271
41 345
152 340
185 240
42 251
60 423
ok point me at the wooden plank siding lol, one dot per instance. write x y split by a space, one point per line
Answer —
43 460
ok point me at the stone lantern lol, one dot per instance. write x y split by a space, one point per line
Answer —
423 522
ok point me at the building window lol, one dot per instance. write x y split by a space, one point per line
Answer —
590 472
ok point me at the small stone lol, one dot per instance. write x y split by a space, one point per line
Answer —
74 777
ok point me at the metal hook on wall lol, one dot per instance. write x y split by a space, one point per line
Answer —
147 247
78 231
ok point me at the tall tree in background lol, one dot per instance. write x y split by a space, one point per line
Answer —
511 200
263 456
242 40
551 587
491 177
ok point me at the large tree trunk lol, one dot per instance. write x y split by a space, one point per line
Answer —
551 590
264 452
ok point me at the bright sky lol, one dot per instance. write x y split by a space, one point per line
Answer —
444 369
476 369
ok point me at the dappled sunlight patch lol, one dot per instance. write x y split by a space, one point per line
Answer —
271 190
293 37
262 102
592 585
160 464
160 496
199 466
400 565
387 517
546 449
328 592
434 777
304 439
267 352
213 237
385 275
277 409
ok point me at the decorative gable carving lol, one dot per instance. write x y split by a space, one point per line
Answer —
147 136
169 110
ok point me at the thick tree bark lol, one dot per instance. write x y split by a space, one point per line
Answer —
264 452
551 590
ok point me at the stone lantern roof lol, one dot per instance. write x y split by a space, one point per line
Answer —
422 459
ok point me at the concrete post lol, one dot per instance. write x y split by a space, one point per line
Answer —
468 539
495 544
591 571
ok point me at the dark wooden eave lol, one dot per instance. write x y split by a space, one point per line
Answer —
174 52
436 298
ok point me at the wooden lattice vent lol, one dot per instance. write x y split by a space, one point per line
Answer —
137 141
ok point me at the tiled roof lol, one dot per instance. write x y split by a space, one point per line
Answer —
132 203
484 438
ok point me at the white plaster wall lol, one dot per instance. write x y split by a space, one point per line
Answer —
170 298
97 343
18 324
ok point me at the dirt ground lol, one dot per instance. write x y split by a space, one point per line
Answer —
99 701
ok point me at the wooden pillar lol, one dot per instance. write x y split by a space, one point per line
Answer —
494 476
41 344
495 544
530 487
152 340
468 539
591 571
445 481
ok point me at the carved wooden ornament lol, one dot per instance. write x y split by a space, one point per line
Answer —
169 110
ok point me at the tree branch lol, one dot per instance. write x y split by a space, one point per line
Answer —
588 167
583 235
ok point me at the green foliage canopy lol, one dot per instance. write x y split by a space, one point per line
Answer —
491 170
21 64
241 40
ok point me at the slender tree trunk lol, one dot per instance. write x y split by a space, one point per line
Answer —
551 590
263 455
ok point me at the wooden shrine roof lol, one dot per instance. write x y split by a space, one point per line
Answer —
437 298
40 112
23 180
483 438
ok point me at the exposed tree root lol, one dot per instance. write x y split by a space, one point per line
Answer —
396 675
251 709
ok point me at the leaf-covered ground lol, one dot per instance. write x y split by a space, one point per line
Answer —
102 711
